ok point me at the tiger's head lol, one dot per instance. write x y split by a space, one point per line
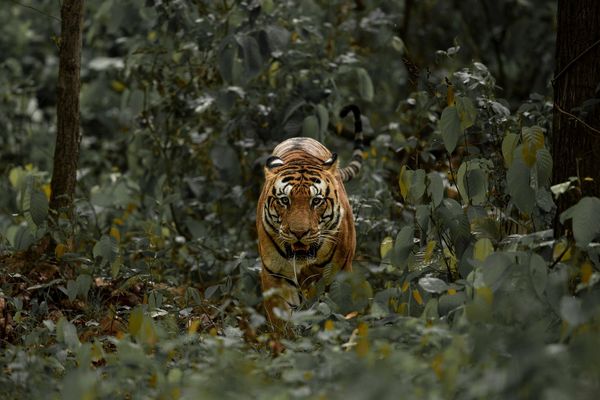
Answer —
302 210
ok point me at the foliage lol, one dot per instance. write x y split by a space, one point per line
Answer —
152 291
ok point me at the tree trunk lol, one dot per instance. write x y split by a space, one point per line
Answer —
66 153
576 126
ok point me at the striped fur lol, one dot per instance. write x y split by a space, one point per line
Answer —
304 221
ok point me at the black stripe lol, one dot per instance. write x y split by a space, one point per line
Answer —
281 253
278 276
324 263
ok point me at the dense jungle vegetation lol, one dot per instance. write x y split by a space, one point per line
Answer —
471 279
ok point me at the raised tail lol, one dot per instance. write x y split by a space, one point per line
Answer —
353 169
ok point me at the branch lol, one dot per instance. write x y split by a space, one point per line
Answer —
36 10
573 61
576 118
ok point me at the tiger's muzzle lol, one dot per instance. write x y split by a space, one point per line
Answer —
301 251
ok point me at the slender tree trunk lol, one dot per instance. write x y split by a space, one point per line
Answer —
576 126
66 153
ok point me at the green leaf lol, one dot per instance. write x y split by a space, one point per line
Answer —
71 290
417 185
365 85
450 302
310 127
83 283
472 182
586 220
251 57
544 166
518 186
509 144
227 59
467 113
435 189
450 126
323 116
571 312
38 207
402 246
107 248
539 274
433 285
494 269
19 237
66 333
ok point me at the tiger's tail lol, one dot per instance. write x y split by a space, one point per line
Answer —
353 169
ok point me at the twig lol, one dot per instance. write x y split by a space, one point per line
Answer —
36 10
560 257
573 61
576 118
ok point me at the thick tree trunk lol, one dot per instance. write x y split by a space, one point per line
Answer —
576 126
66 153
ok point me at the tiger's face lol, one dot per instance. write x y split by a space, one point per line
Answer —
302 212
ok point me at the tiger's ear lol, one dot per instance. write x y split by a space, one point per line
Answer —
330 162
273 162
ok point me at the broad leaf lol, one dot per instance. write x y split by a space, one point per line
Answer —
365 85
450 126
519 188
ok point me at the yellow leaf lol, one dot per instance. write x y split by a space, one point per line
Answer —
351 314
114 232
485 293
294 36
417 296
483 248
118 221
118 86
362 344
135 321
401 309
213 331
60 250
193 326
152 35
529 154
153 380
405 286
559 249
329 325
436 365
450 96
586 271
15 175
147 332
273 72
47 190
404 182
451 291
429 250
386 246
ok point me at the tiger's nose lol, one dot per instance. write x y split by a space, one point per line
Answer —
300 233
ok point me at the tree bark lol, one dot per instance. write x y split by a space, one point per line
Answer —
66 153
576 126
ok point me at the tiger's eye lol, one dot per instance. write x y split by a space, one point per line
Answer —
316 201
284 201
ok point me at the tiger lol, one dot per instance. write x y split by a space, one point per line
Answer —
304 221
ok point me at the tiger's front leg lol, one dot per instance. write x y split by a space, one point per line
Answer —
282 295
